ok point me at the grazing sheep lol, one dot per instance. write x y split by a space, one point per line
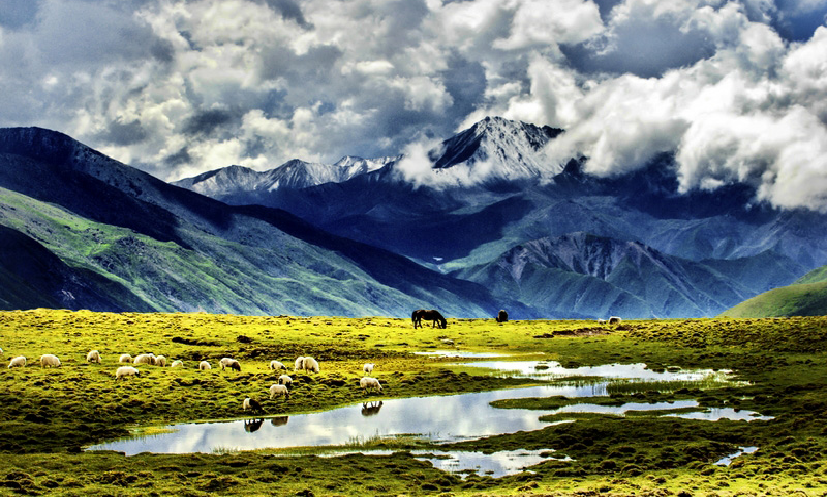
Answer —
614 320
249 403
204 365
175 364
277 389
277 365
124 371
125 358
17 362
310 364
602 322
367 368
227 362
93 356
161 361
285 380
502 316
299 364
49 360
144 359
367 382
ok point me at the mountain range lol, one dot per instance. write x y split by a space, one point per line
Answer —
481 221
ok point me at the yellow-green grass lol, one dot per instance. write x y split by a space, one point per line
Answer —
780 365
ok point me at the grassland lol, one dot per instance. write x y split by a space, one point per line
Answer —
48 415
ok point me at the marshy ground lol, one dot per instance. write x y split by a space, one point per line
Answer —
50 415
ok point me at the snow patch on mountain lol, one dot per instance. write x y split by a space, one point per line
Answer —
494 149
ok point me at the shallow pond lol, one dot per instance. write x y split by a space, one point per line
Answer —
438 419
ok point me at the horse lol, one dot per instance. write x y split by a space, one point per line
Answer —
502 317
432 315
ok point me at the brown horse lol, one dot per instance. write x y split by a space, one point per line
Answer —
432 315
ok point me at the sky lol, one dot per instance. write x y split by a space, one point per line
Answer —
736 90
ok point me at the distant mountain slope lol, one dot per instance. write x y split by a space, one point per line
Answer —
598 276
490 188
807 296
172 249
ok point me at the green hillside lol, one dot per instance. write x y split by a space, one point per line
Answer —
806 297
815 276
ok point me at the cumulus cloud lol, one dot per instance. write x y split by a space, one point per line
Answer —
178 87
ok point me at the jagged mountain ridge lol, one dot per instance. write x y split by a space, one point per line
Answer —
175 250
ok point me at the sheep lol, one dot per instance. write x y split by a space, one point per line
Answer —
177 363
310 364
49 360
230 363
249 403
367 382
161 361
277 389
367 368
614 320
299 364
17 362
125 358
144 359
285 380
124 371
93 356
277 365
204 366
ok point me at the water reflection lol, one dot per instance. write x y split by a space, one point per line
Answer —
548 370
461 354
279 421
726 461
251 425
371 408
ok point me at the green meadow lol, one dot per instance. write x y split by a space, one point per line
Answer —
49 415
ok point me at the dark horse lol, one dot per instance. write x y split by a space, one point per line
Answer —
432 315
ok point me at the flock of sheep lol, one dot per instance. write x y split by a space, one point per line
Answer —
280 388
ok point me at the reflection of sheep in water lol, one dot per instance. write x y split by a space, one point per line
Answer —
277 389
279 420
614 320
502 316
367 382
251 425
371 408
249 403
93 356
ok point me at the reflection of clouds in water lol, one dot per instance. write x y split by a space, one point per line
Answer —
728 413
462 354
438 419
552 369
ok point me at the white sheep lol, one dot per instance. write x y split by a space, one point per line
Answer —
367 382
127 358
177 363
144 359
602 322
249 403
285 380
17 362
367 368
227 362
277 389
161 361
124 371
93 356
310 364
614 320
277 365
204 365
299 364
49 360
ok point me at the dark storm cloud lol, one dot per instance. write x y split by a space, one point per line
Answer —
124 133
291 10
207 122
177 159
